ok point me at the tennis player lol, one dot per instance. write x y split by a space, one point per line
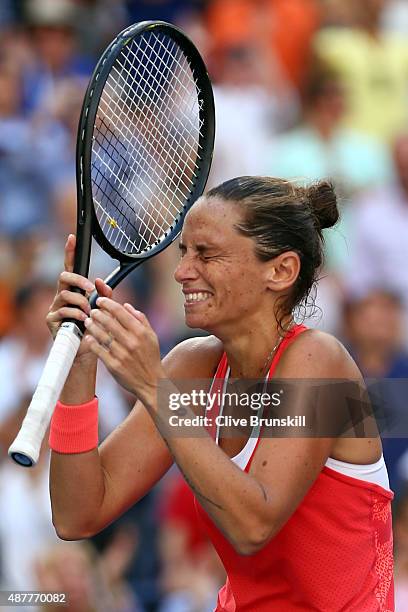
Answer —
300 523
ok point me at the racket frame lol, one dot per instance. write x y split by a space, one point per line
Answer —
25 448
87 222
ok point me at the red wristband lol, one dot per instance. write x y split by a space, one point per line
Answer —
74 429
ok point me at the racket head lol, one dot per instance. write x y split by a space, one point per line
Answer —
145 143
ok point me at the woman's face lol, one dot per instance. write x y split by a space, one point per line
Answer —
223 281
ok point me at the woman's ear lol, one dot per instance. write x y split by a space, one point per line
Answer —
282 271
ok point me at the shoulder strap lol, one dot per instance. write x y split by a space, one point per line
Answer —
288 339
291 335
222 367
216 390
219 378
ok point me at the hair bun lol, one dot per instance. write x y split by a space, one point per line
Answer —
323 202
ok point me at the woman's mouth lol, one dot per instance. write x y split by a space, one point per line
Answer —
196 297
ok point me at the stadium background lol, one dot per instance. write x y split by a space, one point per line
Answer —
304 89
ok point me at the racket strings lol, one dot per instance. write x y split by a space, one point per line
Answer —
146 143
168 143
150 216
171 96
145 147
182 99
162 124
117 176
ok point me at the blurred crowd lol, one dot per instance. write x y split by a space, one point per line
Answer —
304 89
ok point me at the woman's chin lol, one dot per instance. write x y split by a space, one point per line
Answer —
195 321
194 324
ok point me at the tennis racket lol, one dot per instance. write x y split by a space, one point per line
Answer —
144 150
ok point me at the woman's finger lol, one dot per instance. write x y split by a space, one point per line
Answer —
137 314
70 298
110 325
106 341
102 288
65 312
119 312
101 335
69 255
70 279
97 349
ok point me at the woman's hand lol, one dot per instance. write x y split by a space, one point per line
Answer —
70 305
124 340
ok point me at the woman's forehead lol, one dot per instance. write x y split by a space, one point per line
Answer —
212 215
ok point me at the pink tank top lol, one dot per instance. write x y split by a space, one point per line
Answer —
334 554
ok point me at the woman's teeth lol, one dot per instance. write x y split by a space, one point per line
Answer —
197 297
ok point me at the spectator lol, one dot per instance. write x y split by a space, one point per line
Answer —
233 23
192 572
165 10
56 127
73 568
52 25
321 147
372 327
22 185
6 292
22 356
337 13
99 21
26 522
373 65
380 227
247 85
115 561
128 549
7 12
395 17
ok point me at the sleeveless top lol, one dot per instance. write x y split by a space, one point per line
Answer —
334 554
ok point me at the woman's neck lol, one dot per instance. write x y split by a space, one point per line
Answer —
250 354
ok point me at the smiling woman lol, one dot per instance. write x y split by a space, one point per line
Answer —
280 221
287 514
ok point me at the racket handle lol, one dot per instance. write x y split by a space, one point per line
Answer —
25 449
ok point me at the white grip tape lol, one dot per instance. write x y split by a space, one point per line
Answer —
29 439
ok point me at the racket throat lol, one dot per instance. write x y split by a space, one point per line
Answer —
120 273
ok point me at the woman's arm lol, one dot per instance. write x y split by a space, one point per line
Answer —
89 490
248 508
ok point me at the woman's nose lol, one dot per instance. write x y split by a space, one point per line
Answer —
186 269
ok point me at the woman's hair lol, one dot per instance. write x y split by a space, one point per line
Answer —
281 216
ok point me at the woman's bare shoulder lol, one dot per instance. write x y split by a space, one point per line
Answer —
194 358
318 354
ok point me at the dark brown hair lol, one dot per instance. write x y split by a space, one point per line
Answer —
281 216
